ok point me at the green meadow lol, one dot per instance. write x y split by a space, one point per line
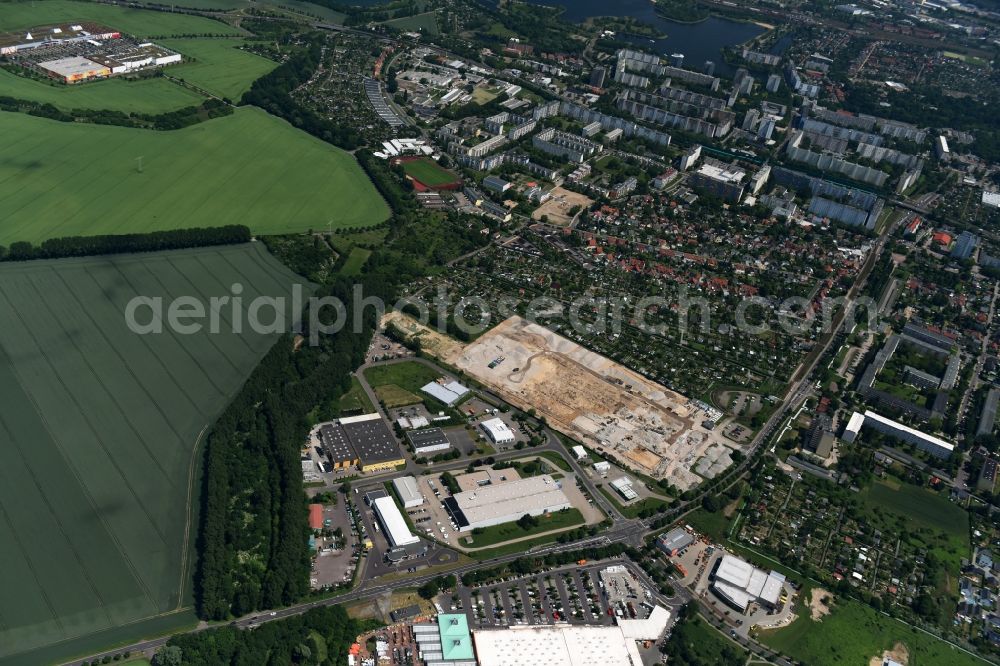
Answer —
854 633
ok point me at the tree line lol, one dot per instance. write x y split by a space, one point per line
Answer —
252 540
170 120
300 639
156 241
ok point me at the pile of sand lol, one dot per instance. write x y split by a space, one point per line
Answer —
817 609
899 653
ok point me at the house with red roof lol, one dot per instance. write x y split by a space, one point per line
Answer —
315 516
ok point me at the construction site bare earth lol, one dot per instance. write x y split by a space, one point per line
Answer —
637 422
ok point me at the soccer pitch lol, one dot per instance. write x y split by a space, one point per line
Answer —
428 172
99 427
219 66
68 179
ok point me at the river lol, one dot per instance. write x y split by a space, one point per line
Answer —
697 41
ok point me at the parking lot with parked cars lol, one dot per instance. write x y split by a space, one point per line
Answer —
577 595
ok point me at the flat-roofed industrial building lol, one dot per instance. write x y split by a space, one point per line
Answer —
141 56
447 642
408 491
570 645
430 440
498 431
74 69
674 541
393 523
449 393
337 447
623 486
373 441
365 441
739 583
495 504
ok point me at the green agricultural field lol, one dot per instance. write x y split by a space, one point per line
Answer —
854 633
138 22
152 96
214 5
219 66
100 426
393 396
428 172
300 9
291 8
67 179
426 22
408 375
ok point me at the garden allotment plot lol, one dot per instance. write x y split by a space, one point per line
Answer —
98 427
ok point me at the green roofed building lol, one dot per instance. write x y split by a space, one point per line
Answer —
456 643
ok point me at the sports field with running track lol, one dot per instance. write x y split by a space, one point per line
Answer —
428 172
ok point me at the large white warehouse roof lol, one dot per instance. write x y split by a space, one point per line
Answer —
498 430
449 393
392 520
741 582
568 645
734 571
408 491
504 502
71 66
557 645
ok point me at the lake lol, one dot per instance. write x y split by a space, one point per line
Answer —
697 41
